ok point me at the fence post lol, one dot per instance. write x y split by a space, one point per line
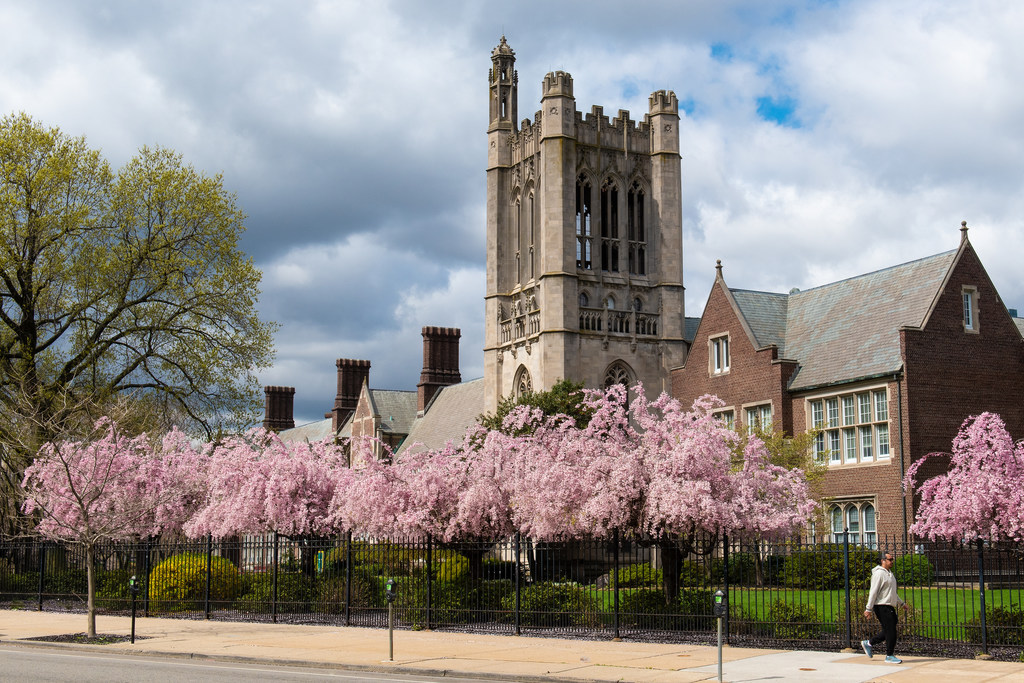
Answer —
430 575
725 580
42 571
615 583
981 586
846 586
348 578
209 573
273 587
145 576
519 562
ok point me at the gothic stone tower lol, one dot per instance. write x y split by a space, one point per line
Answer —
584 241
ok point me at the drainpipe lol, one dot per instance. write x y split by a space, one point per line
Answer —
903 468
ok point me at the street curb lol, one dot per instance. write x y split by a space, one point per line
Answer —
272 661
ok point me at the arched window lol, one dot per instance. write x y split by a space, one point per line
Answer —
637 230
584 234
584 300
618 373
609 303
609 220
523 383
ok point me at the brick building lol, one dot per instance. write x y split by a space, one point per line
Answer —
887 365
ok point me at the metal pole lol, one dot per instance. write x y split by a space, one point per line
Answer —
725 580
981 585
348 578
615 583
519 572
719 649
135 594
846 584
273 593
391 631
430 575
209 571
42 571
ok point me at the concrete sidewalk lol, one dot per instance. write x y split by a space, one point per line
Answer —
486 656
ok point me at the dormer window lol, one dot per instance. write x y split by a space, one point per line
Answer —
970 296
719 354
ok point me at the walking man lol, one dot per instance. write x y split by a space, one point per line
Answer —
883 601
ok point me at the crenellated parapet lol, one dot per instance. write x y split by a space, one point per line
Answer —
557 84
663 102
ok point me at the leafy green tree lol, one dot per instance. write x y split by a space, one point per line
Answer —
564 398
119 283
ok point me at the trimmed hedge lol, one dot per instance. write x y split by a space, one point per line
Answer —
179 583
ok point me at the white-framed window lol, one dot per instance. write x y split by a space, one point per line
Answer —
882 441
759 417
849 411
728 417
850 444
857 517
881 406
833 412
834 446
864 400
854 425
970 295
867 450
817 414
719 354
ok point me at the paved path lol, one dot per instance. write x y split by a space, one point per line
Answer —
490 656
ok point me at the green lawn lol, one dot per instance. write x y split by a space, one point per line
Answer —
936 606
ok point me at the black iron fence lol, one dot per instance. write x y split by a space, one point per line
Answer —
965 598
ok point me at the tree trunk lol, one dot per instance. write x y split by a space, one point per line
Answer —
90 572
671 560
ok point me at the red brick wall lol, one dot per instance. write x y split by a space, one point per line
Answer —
753 376
953 374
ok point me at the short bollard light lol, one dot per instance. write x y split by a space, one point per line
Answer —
721 609
133 587
390 593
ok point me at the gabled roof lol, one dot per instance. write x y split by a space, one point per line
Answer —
450 413
850 329
845 330
397 409
690 326
314 431
765 313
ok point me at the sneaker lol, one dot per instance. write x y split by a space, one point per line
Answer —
892 659
867 648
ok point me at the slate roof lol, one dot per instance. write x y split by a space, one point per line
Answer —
397 409
314 431
690 326
450 413
846 330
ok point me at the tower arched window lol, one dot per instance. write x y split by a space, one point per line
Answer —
584 230
523 382
584 300
531 221
618 373
609 227
636 230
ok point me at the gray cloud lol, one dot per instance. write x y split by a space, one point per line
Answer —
354 136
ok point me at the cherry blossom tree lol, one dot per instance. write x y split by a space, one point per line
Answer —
981 495
112 487
258 483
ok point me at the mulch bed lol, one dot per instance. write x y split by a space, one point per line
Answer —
98 639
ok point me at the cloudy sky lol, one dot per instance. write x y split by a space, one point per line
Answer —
820 140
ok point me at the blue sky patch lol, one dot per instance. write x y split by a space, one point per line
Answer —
721 52
780 110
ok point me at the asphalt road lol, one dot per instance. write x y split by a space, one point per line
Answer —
31 664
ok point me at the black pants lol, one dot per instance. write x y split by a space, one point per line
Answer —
887 618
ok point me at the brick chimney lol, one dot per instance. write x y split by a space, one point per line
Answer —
351 375
440 362
277 410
